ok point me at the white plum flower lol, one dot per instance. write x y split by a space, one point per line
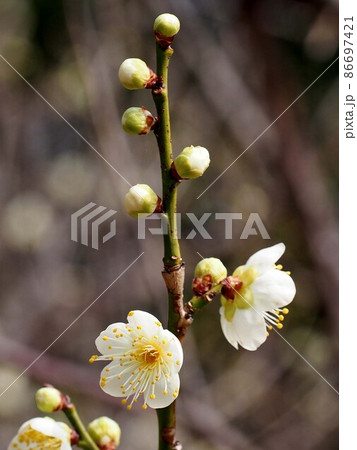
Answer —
145 361
42 433
254 299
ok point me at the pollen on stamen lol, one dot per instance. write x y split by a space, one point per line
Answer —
279 326
105 338
145 406
285 311
131 313
115 330
124 401
169 354
93 358
152 396
129 407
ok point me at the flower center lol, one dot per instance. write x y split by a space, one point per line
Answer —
236 291
231 287
150 354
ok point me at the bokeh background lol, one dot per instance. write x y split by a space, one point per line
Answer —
237 66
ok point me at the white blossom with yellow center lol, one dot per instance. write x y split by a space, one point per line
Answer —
254 299
145 361
42 433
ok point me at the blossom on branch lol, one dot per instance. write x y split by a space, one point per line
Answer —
145 361
254 299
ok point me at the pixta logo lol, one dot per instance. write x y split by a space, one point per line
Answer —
88 220
253 225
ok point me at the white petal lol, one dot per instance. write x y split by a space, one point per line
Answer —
266 258
110 381
112 337
148 323
44 425
249 328
49 427
228 329
161 400
274 289
174 347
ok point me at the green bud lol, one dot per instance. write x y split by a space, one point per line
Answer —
141 199
48 399
134 73
213 267
104 431
166 25
192 162
137 120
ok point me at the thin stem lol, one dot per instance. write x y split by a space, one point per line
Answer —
196 303
173 269
172 255
85 441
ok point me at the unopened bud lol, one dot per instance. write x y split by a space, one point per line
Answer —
49 399
137 120
134 73
213 267
208 273
105 432
141 199
191 162
166 26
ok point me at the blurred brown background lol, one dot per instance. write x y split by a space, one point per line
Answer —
237 66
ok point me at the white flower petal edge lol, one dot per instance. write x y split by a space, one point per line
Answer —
247 329
266 258
41 432
272 290
145 361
